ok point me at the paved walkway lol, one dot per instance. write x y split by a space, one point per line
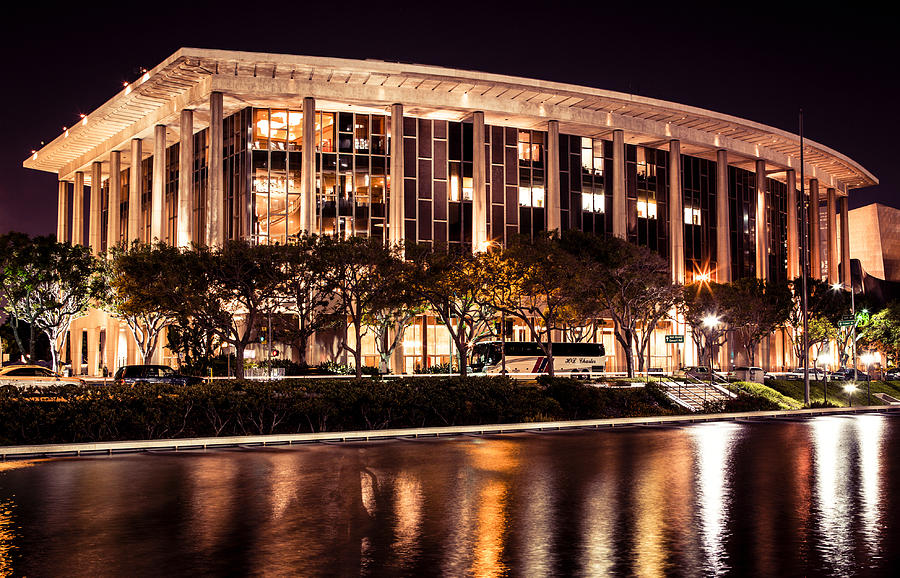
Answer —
130 446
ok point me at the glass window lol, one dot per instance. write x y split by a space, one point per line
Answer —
691 216
261 128
647 209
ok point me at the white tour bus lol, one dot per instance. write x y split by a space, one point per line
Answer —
528 357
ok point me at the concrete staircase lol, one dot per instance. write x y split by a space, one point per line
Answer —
693 393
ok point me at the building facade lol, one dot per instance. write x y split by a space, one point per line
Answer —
212 145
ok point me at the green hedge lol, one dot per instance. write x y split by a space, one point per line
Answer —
221 408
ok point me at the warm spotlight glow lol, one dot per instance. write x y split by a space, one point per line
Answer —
703 277
710 321
849 388
837 286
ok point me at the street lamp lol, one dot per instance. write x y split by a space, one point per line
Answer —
868 359
841 287
710 322
850 388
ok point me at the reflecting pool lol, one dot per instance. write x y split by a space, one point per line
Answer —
805 497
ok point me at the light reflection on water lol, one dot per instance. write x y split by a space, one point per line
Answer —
722 498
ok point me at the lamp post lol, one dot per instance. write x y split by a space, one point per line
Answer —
840 287
850 388
710 322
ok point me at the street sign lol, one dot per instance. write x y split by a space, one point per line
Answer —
845 322
674 338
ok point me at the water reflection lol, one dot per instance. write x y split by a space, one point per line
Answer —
713 444
762 499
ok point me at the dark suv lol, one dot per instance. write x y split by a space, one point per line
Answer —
139 374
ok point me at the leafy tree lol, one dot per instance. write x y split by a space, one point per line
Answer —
822 302
194 345
452 285
627 282
882 331
48 284
359 269
393 310
17 278
821 332
308 295
757 309
138 280
227 291
537 282
706 310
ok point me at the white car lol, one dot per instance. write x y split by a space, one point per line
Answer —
34 375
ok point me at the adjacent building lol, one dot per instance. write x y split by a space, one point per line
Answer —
213 145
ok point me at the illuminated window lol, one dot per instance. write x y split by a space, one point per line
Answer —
647 209
593 203
531 197
691 216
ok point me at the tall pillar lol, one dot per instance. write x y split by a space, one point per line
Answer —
831 228
553 205
185 179
75 336
618 188
815 255
308 168
62 211
479 188
396 233
93 350
135 181
676 213
762 227
78 210
115 199
94 232
158 186
723 222
215 221
793 229
845 242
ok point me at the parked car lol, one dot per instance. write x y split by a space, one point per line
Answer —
34 375
815 374
697 371
753 374
892 374
846 374
142 374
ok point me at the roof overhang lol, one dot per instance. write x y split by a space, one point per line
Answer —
185 79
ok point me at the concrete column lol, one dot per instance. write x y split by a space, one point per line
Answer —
185 222
308 169
815 256
115 199
135 180
215 222
845 243
553 204
158 190
479 189
75 333
396 232
723 223
618 188
94 232
831 228
676 213
793 229
93 350
78 210
62 211
112 344
762 228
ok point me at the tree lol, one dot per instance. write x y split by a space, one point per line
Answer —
359 269
48 284
882 331
537 282
138 280
822 302
451 284
629 283
821 331
308 295
228 291
758 308
17 278
706 310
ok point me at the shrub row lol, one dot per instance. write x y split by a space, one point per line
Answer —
78 414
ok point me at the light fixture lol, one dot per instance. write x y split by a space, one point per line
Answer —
711 321
849 388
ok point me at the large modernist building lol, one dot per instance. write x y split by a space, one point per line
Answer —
212 145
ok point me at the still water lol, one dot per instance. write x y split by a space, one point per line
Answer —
816 497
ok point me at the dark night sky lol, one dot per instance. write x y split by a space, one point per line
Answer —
747 59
